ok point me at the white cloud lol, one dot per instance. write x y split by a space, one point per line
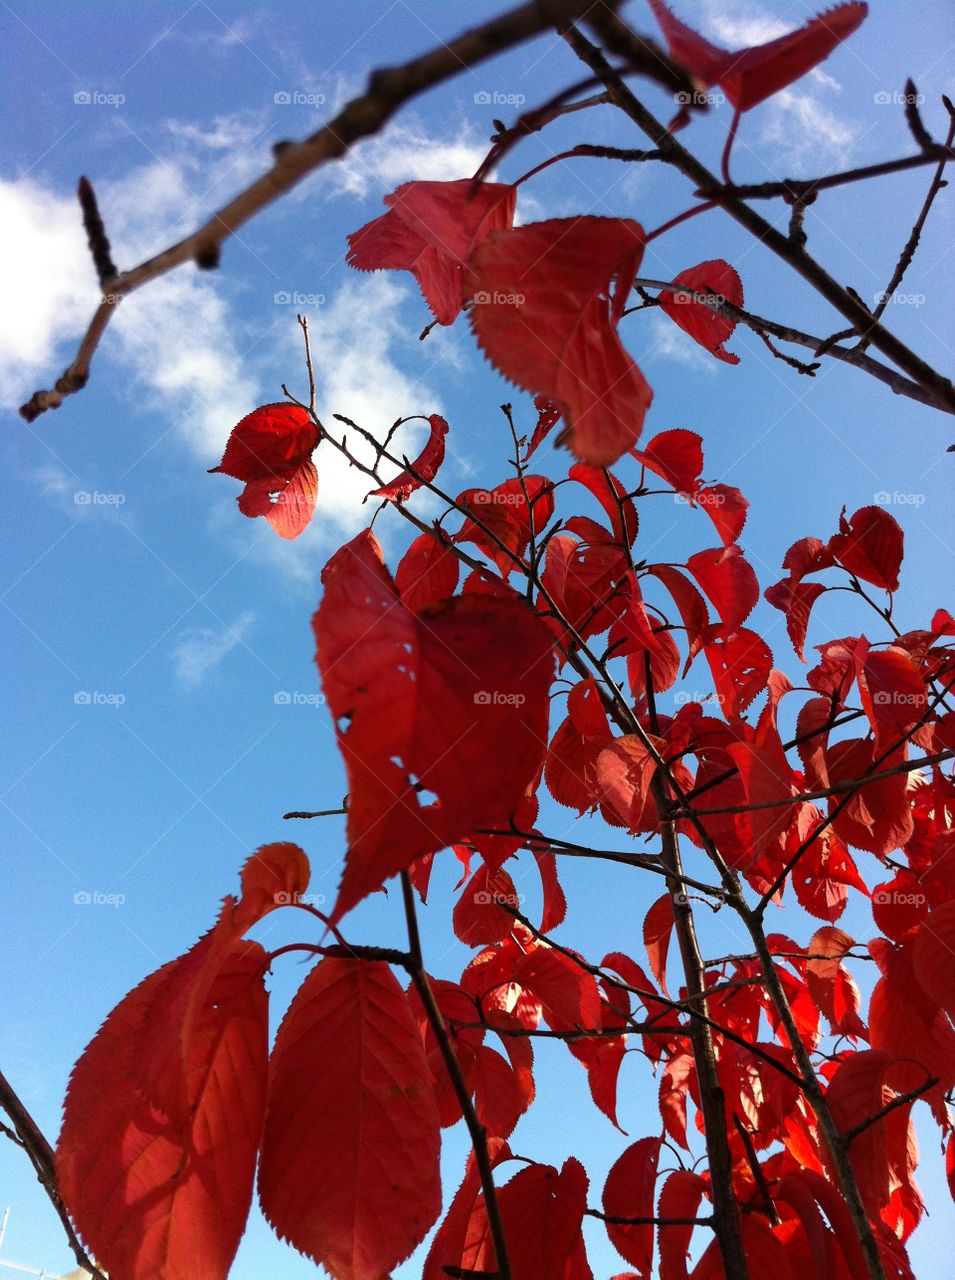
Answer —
176 336
805 132
48 282
795 123
200 650
739 30
669 342
403 152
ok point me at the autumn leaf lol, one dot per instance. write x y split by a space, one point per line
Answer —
628 1193
546 317
451 701
424 468
751 75
271 450
870 545
704 325
155 1195
430 229
349 1169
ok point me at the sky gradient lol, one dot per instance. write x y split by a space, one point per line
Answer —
161 688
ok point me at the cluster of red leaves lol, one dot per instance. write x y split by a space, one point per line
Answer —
441 697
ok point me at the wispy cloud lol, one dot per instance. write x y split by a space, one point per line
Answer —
668 341
795 123
405 151
178 337
199 651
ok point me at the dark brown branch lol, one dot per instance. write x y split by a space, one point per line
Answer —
908 251
940 389
616 1220
819 346
850 784
96 233
801 189
476 1130
388 90
29 1137
900 1101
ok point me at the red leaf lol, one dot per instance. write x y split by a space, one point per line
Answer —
707 327
430 229
154 1195
544 317
893 692
625 770
276 875
349 1169
795 599
909 1021
830 983
427 572
271 450
478 917
689 602
424 468
509 514
808 555
862 1084
570 771
934 956
628 1193
878 816
568 993
501 1093
726 507
740 666
870 545
611 495
825 871
657 928
680 1197
751 75
454 700
555 903
728 582
548 416
675 456
542 1212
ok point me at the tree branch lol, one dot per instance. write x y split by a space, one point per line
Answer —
30 1138
388 90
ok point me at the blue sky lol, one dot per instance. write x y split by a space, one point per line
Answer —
149 627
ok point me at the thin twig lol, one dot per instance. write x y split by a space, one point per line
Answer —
476 1130
31 1139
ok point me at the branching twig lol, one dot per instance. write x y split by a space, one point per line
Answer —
476 1130
30 1138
